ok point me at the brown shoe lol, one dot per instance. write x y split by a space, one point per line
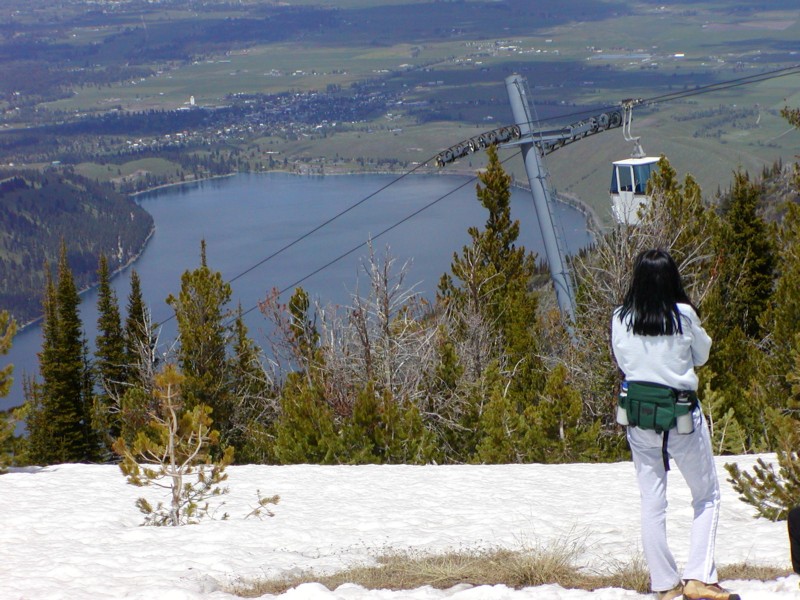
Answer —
675 592
697 590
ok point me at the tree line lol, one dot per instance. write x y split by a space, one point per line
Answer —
484 373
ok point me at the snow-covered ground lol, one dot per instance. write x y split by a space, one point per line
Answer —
72 532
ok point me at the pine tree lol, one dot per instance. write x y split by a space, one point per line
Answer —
136 323
557 424
494 299
175 454
111 360
8 327
772 492
382 430
303 335
445 397
254 397
142 362
746 262
679 221
63 431
736 307
305 431
502 425
366 432
497 274
41 433
202 354
727 435
792 115
782 319
413 442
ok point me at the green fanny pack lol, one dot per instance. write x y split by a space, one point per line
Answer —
656 406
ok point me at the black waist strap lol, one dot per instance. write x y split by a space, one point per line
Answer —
664 451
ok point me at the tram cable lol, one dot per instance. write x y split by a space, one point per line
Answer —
724 85
695 91
311 232
793 70
240 314
713 87
376 236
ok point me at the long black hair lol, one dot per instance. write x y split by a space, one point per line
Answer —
649 307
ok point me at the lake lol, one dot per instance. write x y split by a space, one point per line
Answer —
248 217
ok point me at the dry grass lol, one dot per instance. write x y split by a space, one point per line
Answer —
748 571
514 568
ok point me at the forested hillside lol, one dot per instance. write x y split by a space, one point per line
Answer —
40 209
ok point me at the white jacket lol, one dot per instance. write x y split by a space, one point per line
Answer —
666 359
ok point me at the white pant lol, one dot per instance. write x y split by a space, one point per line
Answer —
692 454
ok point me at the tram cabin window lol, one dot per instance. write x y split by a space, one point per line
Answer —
641 174
621 179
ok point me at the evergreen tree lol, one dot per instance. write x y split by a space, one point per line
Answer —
735 309
63 432
557 424
305 431
366 433
382 430
201 314
746 263
8 327
679 220
137 401
782 319
254 394
727 434
176 454
772 492
499 275
495 290
446 397
304 428
136 323
303 335
792 115
412 441
111 360
38 446
502 425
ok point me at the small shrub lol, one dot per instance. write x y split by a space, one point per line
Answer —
175 454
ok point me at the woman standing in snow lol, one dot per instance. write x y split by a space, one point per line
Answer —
657 338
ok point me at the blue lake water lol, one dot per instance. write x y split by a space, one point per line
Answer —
246 218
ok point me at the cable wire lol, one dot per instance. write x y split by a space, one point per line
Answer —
376 236
713 87
310 232
706 89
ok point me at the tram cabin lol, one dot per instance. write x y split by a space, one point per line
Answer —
629 179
